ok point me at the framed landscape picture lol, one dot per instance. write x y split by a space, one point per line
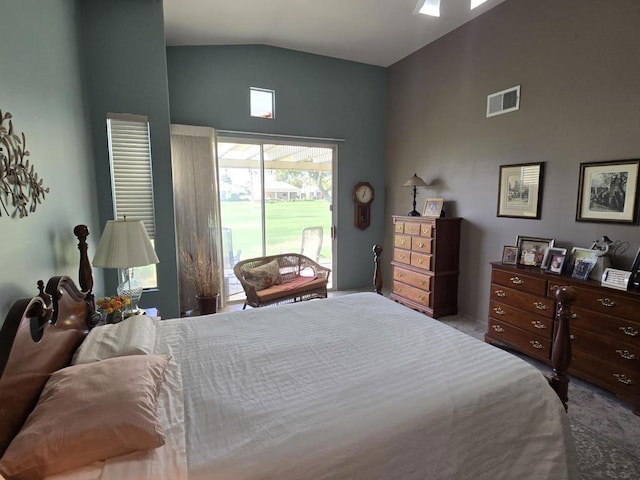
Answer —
520 190
608 192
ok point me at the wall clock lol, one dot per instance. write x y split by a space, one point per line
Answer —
362 198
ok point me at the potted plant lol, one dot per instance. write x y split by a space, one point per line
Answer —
201 270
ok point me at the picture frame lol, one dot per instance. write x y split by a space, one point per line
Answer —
579 254
608 192
552 253
531 250
556 263
582 268
433 207
520 190
510 255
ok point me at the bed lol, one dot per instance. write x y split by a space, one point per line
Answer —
350 387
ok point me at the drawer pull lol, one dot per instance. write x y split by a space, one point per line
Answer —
574 316
540 305
500 293
422 282
400 275
422 298
499 311
402 241
516 281
539 324
419 260
498 328
420 245
536 344
572 337
632 332
623 378
626 354
607 302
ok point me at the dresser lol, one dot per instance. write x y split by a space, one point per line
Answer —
425 264
605 325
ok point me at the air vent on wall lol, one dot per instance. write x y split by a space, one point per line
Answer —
502 102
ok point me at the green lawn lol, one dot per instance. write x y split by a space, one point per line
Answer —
284 220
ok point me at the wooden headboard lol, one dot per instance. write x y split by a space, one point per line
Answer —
38 337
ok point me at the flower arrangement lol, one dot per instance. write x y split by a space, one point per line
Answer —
200 269
111 305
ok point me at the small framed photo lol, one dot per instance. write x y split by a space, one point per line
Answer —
520 190
552 252
556 262
510 255
583 255
433 207
531 250
608 192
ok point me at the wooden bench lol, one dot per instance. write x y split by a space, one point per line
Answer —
288 277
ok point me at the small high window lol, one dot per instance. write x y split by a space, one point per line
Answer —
263 102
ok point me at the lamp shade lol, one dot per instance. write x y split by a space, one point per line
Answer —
415 181
124 244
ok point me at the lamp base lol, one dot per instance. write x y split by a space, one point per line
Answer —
131 288
414 213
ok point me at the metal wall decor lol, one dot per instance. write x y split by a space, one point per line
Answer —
20 187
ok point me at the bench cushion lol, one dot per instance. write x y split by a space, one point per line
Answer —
291 288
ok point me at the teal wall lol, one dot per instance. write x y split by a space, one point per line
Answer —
316 96
41 85
125 72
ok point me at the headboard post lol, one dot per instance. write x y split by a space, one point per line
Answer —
85 276
561 351
377 274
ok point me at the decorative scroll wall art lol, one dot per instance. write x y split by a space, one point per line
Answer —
20 189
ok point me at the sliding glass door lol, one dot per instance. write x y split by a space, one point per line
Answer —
275 197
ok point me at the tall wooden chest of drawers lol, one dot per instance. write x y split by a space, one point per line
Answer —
425 264
605 326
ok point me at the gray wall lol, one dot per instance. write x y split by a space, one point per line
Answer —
577 62
315 96
40 84
125 72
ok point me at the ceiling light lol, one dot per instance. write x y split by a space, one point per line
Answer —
429 7
476 3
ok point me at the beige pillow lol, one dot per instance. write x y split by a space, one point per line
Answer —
134 336
87 413
264 276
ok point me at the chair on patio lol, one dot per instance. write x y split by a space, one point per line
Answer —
312 242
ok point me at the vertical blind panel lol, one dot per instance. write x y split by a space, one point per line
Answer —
131 170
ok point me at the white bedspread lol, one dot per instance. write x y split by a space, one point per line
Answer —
352 387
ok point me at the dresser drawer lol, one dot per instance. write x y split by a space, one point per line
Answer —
398 227
421 260
427 230
618 353
402 256
625 382
411 228
519 281
402 241
513 316
607 302
419 296
614 328
418 280
542 306
421 244
523 341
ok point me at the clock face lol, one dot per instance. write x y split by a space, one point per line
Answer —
364 193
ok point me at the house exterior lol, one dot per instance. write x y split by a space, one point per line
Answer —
73 61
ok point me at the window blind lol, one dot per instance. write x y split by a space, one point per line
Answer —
130 157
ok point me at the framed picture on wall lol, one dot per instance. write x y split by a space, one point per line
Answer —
608 192
520 190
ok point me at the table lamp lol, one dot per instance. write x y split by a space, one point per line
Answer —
125 244
414 182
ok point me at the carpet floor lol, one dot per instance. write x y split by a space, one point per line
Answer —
606 432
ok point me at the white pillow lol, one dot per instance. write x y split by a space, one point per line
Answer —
133 336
